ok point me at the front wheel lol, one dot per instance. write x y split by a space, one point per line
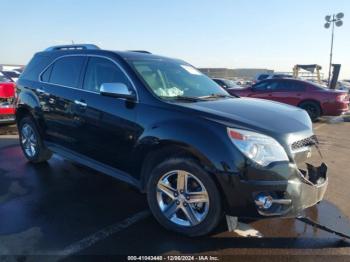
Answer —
183 197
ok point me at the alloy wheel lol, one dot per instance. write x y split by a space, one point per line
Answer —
29 140
182 198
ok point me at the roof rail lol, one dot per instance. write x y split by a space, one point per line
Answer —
140 51
72 47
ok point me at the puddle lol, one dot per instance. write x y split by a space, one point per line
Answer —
20 243
325 213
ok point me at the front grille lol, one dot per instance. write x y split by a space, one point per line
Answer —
306 142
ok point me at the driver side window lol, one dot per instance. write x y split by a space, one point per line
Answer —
266 86
100 71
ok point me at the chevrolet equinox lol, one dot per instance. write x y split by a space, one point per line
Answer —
162 126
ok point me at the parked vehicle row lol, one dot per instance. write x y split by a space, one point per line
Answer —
316 99
164 127
7 108
265 76
8 79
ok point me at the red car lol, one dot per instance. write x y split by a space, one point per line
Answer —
7 94
315 99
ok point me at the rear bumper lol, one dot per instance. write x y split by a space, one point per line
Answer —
7 119
335 109
7 115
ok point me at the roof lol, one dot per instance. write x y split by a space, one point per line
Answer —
93 49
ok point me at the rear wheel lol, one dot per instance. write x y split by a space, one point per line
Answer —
31 143
183 198
312 108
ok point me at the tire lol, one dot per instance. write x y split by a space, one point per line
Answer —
204 215
31 143
312 108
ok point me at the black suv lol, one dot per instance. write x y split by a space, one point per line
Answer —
164 127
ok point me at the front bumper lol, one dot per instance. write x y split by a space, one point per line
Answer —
290 188
300 194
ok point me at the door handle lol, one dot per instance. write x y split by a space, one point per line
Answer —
80 103
41 91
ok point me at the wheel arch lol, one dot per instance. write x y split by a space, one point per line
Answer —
312 101
171 149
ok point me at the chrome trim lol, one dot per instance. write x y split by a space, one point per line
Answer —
299 150
40 90
81 89
77 102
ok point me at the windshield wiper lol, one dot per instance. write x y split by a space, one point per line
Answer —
216 96
184 98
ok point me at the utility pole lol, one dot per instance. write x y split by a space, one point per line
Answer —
337 21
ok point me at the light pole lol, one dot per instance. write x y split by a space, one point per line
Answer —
332 20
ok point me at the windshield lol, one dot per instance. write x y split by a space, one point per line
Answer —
173 79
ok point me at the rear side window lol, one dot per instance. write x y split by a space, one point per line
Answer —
100 71
35 67
66 71
45 77
290 86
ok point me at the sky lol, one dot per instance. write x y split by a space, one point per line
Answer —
273 34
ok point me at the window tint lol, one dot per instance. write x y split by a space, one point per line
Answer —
45 77
219 82
265 86
100 71
290 86
35 67
263 76
66 71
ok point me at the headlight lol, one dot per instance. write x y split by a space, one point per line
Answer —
258 147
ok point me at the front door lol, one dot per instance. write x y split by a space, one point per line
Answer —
264 90
109 130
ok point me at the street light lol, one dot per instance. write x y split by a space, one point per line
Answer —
333 20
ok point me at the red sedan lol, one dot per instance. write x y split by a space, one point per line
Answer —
315 99
7 109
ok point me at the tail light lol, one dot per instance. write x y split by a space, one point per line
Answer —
7 95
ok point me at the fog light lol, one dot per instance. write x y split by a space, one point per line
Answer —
263 201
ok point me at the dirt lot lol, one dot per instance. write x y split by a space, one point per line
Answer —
62 209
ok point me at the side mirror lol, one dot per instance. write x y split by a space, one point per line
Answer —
118 90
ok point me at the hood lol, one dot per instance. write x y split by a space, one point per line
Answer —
255 114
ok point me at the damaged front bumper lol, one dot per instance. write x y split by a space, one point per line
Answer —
300 193
280 189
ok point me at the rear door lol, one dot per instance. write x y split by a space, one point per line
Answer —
62 81
109 129
289 91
